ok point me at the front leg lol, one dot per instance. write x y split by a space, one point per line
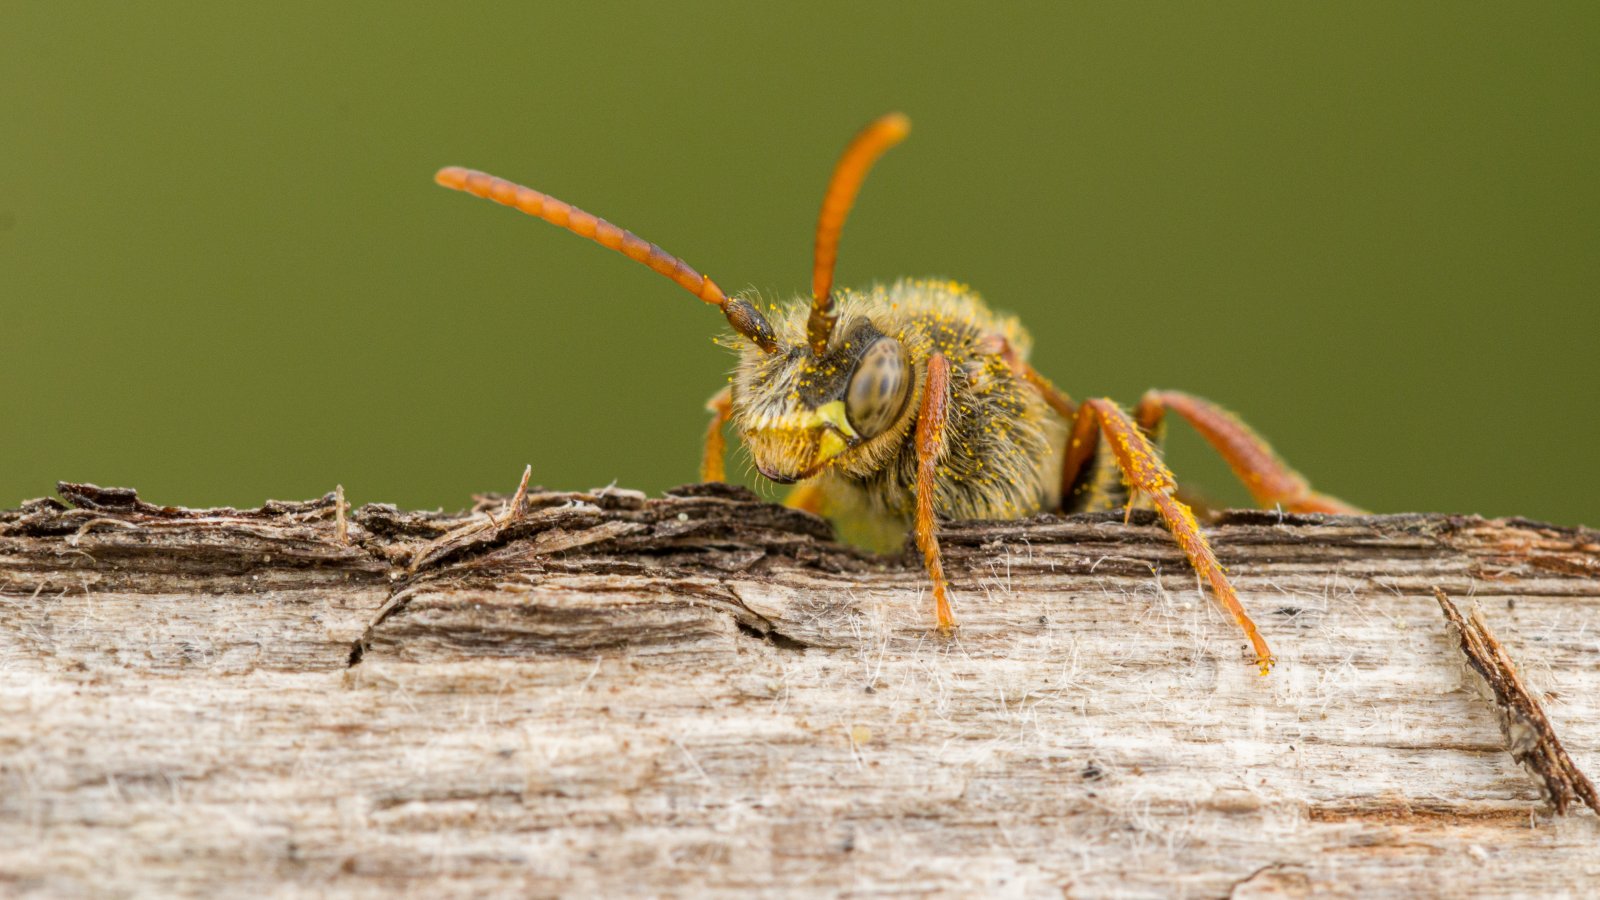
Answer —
931 418
806 496
721 408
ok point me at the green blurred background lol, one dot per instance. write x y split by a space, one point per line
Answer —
226 274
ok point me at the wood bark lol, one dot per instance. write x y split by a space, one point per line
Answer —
702 695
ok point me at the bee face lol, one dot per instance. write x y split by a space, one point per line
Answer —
799 413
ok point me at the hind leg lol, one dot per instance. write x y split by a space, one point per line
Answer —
1268 478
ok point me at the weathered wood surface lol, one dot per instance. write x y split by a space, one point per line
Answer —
700 695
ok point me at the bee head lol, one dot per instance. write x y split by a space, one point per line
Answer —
799 412
800 404
829 399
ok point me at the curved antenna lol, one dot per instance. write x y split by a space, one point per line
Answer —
848 174
740 313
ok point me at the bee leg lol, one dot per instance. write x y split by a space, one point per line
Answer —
1054 397
721 408
805 496
1146 474
929 442
1269 479
1081 443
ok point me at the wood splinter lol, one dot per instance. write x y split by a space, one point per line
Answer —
1530 737
341 522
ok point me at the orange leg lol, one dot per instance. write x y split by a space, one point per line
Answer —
1269 479
721 407
1053 396
1080 449
930 440
1146 474
805 496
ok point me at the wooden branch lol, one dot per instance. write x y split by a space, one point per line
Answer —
603 693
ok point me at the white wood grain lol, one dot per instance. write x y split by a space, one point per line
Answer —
560 711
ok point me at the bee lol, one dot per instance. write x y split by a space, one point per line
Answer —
895 407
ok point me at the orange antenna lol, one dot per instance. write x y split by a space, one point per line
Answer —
740 313
848 174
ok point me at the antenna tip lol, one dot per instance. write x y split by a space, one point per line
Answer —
895 125
452 177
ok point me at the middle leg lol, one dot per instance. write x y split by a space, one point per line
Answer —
1147 475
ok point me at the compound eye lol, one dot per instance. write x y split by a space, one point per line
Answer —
878 388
